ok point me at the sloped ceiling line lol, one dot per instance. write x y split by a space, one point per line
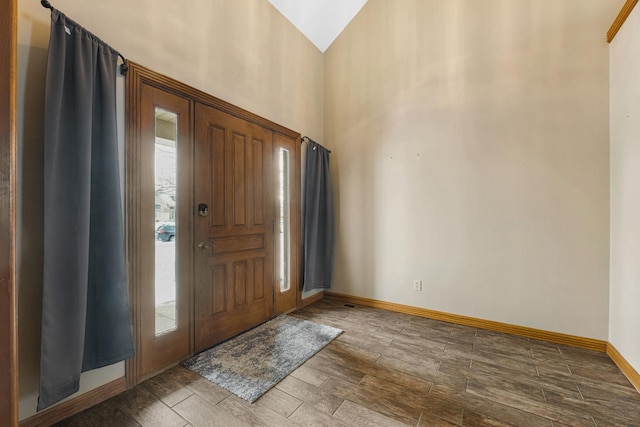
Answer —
321 21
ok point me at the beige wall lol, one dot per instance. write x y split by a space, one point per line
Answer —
471 151
624 57
242 51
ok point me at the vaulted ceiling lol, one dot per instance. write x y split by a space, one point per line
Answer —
321 21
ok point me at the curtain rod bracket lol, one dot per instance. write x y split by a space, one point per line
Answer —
123 67
311 140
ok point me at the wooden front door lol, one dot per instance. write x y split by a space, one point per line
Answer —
234 260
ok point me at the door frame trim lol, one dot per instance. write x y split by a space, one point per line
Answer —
138 76
8 202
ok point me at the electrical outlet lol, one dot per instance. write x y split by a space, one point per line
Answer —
417 285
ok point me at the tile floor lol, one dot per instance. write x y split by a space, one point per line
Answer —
391 369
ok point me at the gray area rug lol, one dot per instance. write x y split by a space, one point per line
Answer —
250 364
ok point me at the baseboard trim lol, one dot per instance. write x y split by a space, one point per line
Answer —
313 298
78 404
626 368
555 337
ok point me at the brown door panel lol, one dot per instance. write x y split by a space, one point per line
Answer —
234 258
231 297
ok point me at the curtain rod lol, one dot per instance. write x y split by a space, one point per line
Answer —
123 67
309 139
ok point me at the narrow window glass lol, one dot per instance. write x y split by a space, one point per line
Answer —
165 225
283 226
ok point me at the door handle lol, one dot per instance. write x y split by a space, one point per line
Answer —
204 245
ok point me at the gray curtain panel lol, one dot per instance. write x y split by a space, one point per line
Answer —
85 318
318 220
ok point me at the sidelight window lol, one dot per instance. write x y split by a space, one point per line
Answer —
165 201
283 228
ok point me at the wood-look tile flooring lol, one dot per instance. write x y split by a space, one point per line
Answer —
391 369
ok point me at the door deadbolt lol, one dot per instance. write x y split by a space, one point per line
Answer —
203 209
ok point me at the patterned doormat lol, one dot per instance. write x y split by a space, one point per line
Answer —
250 364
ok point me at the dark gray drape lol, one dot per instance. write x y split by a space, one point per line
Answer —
318 220
85 317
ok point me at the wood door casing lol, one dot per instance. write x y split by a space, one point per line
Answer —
234 242
8 203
